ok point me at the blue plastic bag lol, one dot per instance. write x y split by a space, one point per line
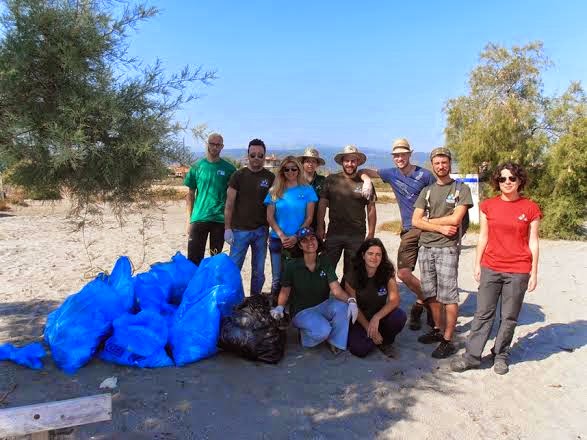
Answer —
120 279
212 293
174 276
78 326
28 356
150 294
138 341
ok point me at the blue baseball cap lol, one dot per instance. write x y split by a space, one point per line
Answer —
304 232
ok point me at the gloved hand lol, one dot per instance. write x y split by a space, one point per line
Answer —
277 312
367 190
353 309
229 236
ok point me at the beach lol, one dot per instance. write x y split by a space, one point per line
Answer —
310 394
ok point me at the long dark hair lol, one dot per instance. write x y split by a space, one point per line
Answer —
385 270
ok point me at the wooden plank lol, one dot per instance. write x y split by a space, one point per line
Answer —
30 419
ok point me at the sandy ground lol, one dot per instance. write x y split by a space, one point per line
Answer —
310 394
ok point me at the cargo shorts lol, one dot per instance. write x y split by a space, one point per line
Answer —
439 270
407 253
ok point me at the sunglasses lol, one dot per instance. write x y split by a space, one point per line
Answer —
256 156
504 179
287 169
214 144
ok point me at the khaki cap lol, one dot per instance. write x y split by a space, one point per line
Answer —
440 151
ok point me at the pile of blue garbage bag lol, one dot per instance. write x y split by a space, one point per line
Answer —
170 315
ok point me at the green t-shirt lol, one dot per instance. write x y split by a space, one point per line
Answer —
346 205
308 289
317 183
251 189
210 181
442 203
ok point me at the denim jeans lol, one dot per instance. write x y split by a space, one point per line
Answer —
257 240
275 248
328 321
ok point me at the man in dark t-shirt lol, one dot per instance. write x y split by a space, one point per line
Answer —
245 215
347 207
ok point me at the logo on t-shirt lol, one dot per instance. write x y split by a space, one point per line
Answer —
322 274
450 199
220 173
382 291
358 189
523 218
264 183
419 175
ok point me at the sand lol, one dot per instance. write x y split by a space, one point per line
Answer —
311 394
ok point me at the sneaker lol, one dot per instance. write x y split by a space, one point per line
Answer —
500 366
461 364
415 314
335 350
431 337
444 350
387 349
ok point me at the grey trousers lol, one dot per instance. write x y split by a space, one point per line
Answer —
512 288
336 244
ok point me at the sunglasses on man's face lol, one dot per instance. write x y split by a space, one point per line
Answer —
256 156
287 169
510 178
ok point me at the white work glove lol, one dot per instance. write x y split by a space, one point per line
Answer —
353 309
229 236
367 190
277 312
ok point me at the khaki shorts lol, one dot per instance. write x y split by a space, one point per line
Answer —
407 253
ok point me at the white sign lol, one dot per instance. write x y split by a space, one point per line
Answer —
472 181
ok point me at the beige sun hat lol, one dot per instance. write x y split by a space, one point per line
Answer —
350 149
401 145
311 153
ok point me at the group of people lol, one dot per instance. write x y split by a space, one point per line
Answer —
285 212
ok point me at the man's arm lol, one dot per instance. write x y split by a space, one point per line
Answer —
189 207
420 222
320 215
454 219
229 207
373 174
371 219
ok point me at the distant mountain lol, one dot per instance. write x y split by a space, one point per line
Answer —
375 158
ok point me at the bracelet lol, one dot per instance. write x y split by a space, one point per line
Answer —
350 300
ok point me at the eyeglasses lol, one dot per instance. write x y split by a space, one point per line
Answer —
510 178
256 156
214 144
287 169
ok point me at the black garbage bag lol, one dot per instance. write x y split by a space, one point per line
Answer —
252 333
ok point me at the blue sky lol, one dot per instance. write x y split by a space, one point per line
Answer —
339 72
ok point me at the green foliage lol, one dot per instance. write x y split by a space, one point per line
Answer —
506 116
75 112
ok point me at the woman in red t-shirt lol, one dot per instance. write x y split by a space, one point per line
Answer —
505 266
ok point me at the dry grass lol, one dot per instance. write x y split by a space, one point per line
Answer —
394 226
4 205
385 198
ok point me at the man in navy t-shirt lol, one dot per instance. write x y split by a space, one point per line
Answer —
407 181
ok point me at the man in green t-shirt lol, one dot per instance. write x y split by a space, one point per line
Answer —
439 211
310 161
345 197
207 181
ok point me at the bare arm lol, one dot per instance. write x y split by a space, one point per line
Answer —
454 219
420 222
371 219
393 300
273 223
534 250
229 207
189 207
283 296
338 292
309 214
368 172
481 244
321 214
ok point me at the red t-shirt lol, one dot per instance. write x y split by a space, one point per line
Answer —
509 230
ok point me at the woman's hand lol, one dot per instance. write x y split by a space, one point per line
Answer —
477 272
533 282
373 328
377 338
289 242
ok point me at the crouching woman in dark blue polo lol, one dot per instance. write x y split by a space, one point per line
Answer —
372 283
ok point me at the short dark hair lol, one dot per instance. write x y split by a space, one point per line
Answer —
516 170
384 272
258 143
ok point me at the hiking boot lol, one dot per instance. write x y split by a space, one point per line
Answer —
461 364
388 350
431 337
500 366
415 314
444 350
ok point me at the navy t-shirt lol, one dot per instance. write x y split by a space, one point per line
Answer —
407 189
